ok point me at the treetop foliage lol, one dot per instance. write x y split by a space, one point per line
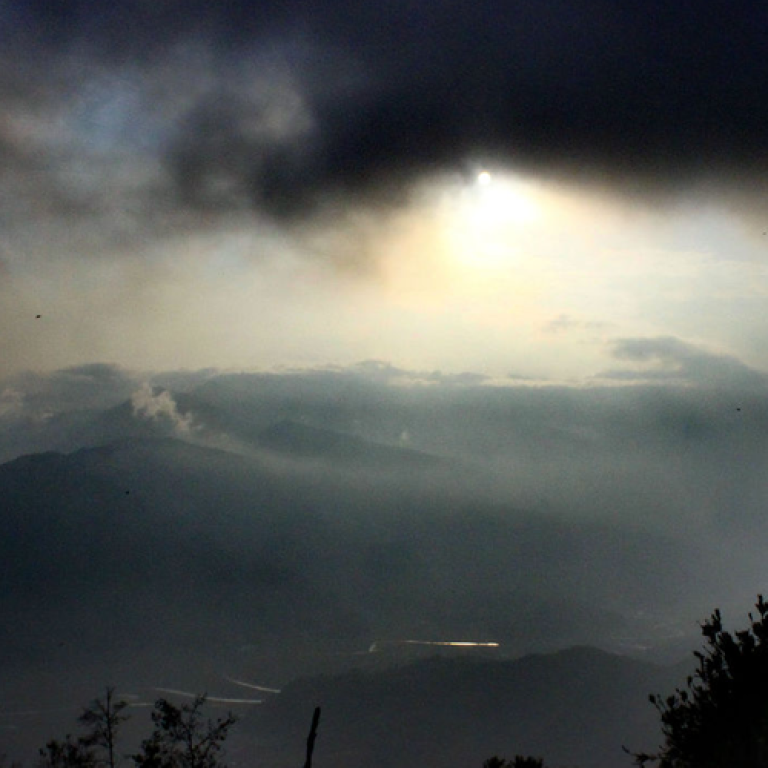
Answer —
181 738
517 762
103 720
96 748
720 720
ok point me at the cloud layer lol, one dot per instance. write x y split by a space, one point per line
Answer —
275 106
200 184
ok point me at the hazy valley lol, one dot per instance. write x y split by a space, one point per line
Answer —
264 529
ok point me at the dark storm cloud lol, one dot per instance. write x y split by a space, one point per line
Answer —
281 105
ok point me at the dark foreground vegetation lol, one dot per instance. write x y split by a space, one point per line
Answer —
719 719
182 737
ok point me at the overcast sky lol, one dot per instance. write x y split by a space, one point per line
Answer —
569 192
379 211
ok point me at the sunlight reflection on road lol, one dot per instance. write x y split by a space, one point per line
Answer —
452 643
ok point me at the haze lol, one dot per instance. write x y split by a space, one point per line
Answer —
481 287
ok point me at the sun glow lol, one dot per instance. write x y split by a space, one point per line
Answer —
489 221
484 178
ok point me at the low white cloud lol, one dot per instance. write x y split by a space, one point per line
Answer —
158 405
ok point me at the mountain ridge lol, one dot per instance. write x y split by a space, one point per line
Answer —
577 706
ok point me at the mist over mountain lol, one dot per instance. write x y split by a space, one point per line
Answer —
332 334
269 527
160 528
303 441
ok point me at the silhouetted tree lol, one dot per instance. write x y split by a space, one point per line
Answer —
70 753
182 738
720 720
518 762
103 718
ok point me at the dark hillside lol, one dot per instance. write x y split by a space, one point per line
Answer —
576 708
